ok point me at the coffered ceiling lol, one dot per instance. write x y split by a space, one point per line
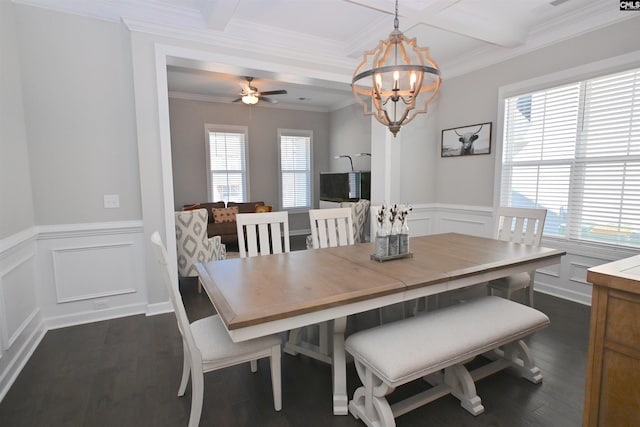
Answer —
331 35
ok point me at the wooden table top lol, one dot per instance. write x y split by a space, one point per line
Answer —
256 290
623 274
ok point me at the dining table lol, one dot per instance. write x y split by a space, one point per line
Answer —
271 294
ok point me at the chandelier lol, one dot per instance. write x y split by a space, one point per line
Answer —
399 77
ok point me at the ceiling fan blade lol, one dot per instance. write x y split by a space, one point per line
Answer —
237 99
270 100
272 92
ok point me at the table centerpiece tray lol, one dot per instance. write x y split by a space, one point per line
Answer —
391 257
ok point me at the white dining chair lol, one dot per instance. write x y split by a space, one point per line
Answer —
208 346
519 225
263 233
331 227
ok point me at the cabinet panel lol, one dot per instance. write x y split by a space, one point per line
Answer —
623 320
619 393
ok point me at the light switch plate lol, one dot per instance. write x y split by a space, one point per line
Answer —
111 201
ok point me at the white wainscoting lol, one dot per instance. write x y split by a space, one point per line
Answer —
81 273
474 220
567 280
21 323
91 272
55 276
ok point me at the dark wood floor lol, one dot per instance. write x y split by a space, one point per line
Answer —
125 372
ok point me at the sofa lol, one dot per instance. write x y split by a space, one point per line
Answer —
222 219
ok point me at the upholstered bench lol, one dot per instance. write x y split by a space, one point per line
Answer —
436 345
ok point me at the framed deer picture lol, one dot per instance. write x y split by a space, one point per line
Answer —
466 140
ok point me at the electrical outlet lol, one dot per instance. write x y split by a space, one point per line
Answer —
111 201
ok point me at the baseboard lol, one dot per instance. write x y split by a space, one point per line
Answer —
74 319
565 294
23 355
159 308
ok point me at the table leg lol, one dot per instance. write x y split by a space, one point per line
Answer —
339 365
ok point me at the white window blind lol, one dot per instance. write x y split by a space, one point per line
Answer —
227 164
575 150
295 169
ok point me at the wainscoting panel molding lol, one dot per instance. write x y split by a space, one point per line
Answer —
420 220
475 220
91 272
88 272
18 299
578 272
21 323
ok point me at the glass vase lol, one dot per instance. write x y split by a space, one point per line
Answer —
394 240
403 239
382 246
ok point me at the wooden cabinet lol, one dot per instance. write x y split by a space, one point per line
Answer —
612 393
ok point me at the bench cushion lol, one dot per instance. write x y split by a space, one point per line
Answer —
401 351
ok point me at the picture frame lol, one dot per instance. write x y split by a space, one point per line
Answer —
466 140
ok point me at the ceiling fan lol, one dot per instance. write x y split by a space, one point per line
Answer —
251 95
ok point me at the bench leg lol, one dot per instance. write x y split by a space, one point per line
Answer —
520 356
458 378
517 355
369 403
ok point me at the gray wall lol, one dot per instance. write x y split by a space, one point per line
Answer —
350 133
473 98
16 204
188 119
79 108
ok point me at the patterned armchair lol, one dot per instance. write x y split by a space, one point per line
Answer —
192 243
359 215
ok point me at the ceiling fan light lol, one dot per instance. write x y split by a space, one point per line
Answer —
250 99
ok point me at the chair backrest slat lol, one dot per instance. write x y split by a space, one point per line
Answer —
520 225
263 233
331 227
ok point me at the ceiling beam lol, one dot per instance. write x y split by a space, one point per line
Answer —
217 13
453 16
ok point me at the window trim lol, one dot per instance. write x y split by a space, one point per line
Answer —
296 132
208 127
584 72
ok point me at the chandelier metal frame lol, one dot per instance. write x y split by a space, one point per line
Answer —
400 75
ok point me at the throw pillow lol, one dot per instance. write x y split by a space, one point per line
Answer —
222 215
261 208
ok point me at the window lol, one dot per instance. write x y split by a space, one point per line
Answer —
575 150
227 164
295 168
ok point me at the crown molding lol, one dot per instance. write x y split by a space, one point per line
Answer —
551 32
240 38
113 10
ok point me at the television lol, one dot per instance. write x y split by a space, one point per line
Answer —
345 186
